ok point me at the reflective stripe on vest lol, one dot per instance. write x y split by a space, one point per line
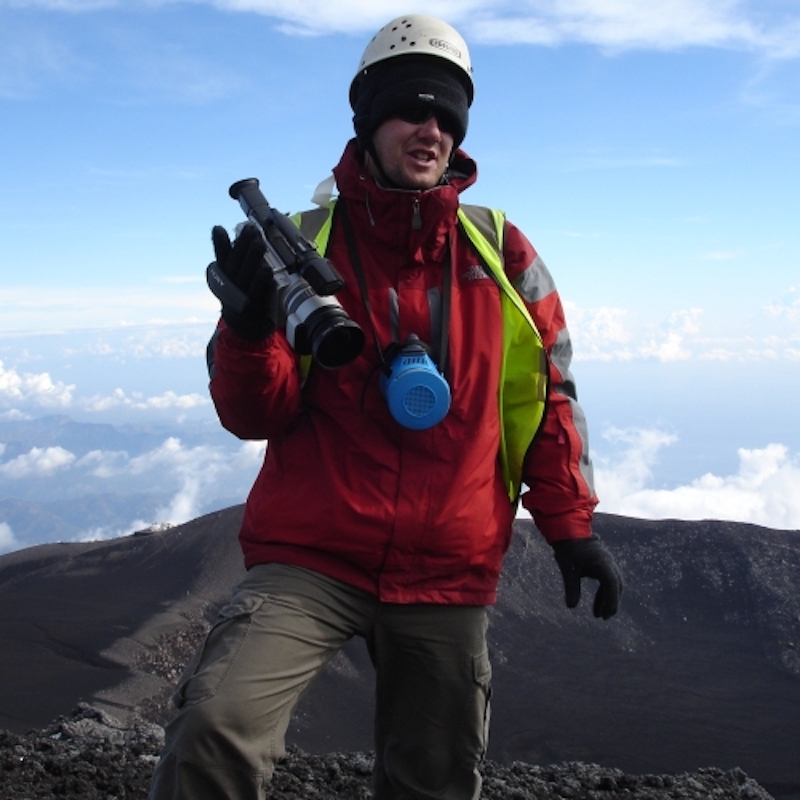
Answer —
522 389
522 386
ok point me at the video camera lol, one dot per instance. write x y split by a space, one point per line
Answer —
316 323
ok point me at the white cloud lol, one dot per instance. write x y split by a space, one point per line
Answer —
104 402
670 346
103 533
36 388
197 472
104 463
610 24
184 505
629 23
7 540
192 477
765 491
249 455
172 400
607 334
163 402
634 468
617 334
158 341
14 414
38 462
600 334
172 453
348 16
24 392
786 307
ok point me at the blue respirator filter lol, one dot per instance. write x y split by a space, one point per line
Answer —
417 394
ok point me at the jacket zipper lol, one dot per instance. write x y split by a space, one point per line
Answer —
416 219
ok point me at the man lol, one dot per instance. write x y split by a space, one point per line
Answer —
363 522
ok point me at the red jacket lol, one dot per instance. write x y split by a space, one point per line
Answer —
411 516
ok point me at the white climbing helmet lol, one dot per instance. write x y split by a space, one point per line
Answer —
417 34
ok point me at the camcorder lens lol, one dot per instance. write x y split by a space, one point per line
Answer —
321 326
337 341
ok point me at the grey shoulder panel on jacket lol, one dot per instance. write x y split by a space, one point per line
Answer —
535 282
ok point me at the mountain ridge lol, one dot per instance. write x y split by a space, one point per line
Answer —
699 668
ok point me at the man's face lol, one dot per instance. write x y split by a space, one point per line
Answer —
413 155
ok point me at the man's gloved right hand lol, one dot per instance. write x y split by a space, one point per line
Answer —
243 265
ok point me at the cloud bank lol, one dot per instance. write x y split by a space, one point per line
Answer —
617 334
765 490
200 473
36 388
137 401
38 462
23 394
193 477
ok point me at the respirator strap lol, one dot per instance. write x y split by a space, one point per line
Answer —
447 283
340 210
447 288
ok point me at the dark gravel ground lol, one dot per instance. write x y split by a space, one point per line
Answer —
92 756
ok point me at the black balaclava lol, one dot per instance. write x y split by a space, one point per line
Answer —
397 84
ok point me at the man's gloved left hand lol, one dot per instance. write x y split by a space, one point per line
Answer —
242 263
589 558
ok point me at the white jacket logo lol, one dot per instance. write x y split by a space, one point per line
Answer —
475 273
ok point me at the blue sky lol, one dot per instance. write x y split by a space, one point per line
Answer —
649 151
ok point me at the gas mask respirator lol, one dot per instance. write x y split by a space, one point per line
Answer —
416 392
415 389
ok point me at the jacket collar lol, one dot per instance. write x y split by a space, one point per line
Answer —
398 218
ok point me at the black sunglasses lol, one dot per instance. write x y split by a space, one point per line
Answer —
419 112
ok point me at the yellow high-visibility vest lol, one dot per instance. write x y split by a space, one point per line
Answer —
522 388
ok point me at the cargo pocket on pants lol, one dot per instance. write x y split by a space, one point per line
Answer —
478 715
213 660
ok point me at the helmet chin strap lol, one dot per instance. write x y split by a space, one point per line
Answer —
385 180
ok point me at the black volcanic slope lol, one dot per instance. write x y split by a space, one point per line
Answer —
700 668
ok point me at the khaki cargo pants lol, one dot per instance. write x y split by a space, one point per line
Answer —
281 627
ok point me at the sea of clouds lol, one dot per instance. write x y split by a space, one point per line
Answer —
670 437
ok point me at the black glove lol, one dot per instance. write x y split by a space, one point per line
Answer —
243 265
588 558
